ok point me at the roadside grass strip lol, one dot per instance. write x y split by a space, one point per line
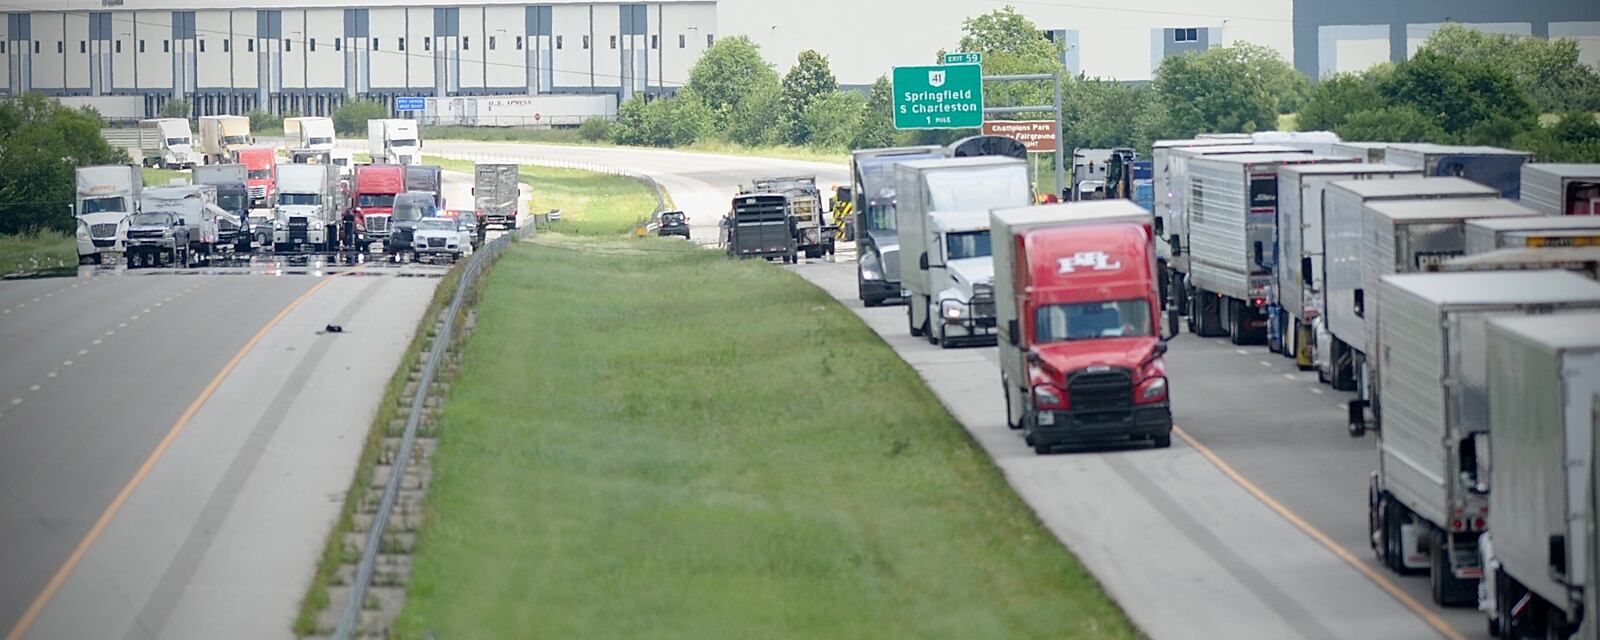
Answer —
649 440
46 250
592 204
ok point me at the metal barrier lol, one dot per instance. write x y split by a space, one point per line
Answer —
350 619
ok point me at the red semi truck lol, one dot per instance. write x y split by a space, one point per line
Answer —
261 177
376 187
1079 326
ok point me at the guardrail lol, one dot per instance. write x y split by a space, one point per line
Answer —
350 619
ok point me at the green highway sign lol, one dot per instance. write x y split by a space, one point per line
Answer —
963 58
938 97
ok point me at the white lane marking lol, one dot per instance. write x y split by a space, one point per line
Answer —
1290 377
83 352
33 388
16 401
52 374
134 317
97 341
1315 390
66 363
6 311
122 325
1241 352
146 310
1264 363
111 333
35 299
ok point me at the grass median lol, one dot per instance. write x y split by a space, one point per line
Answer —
592 204
31 253
649 440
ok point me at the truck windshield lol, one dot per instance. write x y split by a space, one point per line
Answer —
174 142
260 174
150 219
232 201
232 140
411 210
375 200
437 224
113 204
1090 320
403 143
967 244
300 198
321 141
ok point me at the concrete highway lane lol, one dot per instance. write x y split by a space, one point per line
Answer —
174 448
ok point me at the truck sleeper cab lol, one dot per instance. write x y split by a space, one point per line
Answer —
963 303
1080 349
873 201
375 189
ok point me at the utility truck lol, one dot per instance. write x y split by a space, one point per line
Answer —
307 214
873 200
193 233
495 193
1232 228
761 226
167 142
1536 558
233 196
1079 344
1342 242
312 133
1300 258
813 237
923 187
105 196
394 141
1491 166
1428 502
1541 231
1562 189
222 136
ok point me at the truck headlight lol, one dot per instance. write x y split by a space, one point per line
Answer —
952 310
1152 390
83 231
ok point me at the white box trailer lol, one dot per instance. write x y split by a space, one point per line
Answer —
1433 438
110 108
1299 272
1161 175
1539 231
1562 189
394 141
519 110
1372 152
1314 141
167 142
922 187
1232 223
1584 261
1542 407
1342 242
312 133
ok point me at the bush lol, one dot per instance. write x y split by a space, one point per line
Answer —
178 108
1392 124
261 120
595 130
834 121
351 117
1573 138
1334 99
663 122
40 144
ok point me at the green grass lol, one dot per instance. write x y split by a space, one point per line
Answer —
30 253
649 440
591 204
570 137
502 134
160 177
1288 122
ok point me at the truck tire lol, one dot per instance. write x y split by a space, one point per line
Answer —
1236 328
1448 590
1162 441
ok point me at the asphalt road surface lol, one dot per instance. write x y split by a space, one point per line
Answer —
175 444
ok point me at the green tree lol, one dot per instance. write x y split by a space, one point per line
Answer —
808 81
1237 88
1575 137
262 120
751 121
834 122
1011 44
1334 99
1549 70
1105 113
594 130
727 73
877 123
41 142
672 121
1458 94
351 117
177 108
1392 124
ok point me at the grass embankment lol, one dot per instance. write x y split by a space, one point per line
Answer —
591 204
162 177
570 137
30 253
649 440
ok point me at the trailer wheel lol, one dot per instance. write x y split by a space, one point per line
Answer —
1235 321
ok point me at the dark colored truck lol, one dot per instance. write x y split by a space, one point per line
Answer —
426 178
873 213
762 226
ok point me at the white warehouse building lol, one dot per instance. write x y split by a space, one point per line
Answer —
306 56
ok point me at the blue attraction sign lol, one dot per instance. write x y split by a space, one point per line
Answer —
410 103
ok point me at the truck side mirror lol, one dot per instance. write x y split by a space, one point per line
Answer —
922 261
1360 302
1011 331
1160 349
1172 242
1259 254
1558 555
1305 270
1161 227
181 222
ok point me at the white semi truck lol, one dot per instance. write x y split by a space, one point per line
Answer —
311 133
1300 257
959 277
1542 406
105 196
1540 231
1562 189
307 213
1428 502
223 136
167 142
922 187
394 141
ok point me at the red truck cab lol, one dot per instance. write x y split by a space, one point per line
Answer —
1080 345
376 185
261 178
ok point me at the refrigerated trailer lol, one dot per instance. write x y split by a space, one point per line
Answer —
1540 231
1562 189
1300 257
495 193
1161 177
1491 166
1583 261
1542 402
1428 502
1342 241
1233 208
1369 152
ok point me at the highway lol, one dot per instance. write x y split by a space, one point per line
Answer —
175 444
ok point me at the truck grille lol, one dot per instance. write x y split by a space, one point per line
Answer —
1106 396
298 228
379 223
436 242
103 230
148 233
258 192
891 265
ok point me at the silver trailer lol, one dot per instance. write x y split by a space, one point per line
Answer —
1491 166
1581 260
495 193
1540 231
1542 393
1161 175
1371 152
1562 189
1342 241
922 187
1233 211
1299 272
1433 442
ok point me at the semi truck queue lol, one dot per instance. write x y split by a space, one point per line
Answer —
1452 288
